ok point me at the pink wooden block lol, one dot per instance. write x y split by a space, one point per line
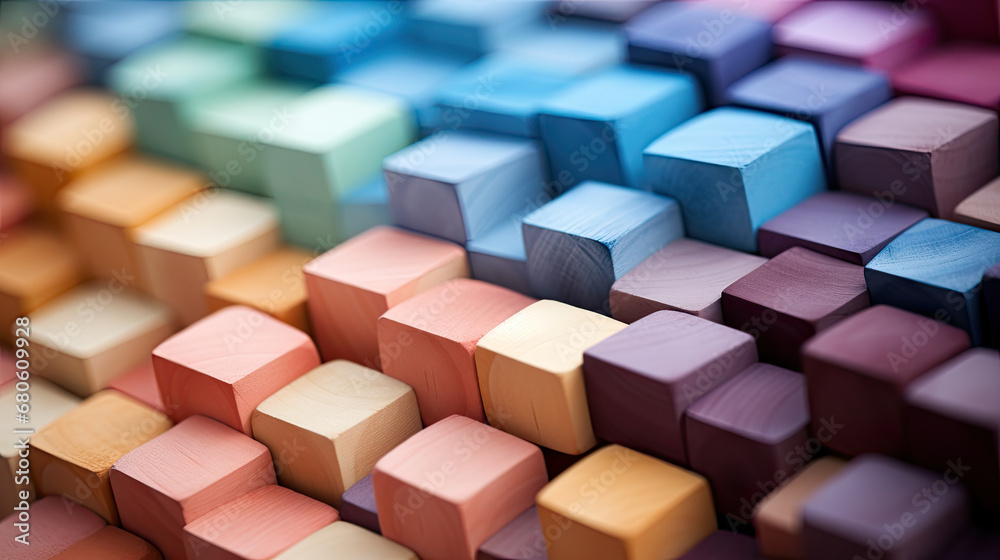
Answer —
31 77
226 364
140 384
962 72
17 201
54 524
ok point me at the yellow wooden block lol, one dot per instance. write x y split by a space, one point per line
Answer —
531 376
73 455
344 540
619 504
327 428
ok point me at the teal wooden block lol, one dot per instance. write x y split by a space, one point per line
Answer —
365 207
734 169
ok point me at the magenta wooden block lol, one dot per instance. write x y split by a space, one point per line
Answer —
877 507
858 370
724 545
844 225
991 294
358 505
641 380
792 297
521 539
962 72
746 437
953 412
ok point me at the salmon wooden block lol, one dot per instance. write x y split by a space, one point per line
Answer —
273 284
357 505
352 285
618 504
429 343
229 362
258 525
329 427
140 384
342 540
981 208
200 240
110 543
102 208
182 475
531 374
86 338
521 539
32 77
52 528
446 490
17 201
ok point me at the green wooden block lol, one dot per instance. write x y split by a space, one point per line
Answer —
313 225
248 23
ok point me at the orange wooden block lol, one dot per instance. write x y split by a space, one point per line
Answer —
30 77
8 370
273 284
229 362
352 285
258 525
51 526
17 201
185 473
140 384
110 543
429 342
449 488
102 208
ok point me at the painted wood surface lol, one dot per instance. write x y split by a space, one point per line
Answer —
960 72
140 384
110 543
346 540
53 528
357 505
498 257
981 208
724 545
521 539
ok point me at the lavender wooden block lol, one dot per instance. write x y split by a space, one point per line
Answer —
991 294
642 379
521 539
724 545
358 505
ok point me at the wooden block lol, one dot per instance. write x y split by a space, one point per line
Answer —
913 273
110 543
140 384
858 369
618 11
982 208
458 185
724 545
531 374
959 72
8 365
429 342
229 362
572 49
521 539
357 505
33 77
770 164
273 284
686 276
637 398
50 528
349 541
581 242
256 26
87 337
17 201
203 239
991 294
470 28
352 285
102 209
771 11
365 207
663 36
619 504
877 506
182 475
792 297
74 453
976 20
498 256
778 517
951 413
260 524
844 225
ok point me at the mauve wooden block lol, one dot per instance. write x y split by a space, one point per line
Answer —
858 370
982 208
521 539
991 294
877 507
724 545
358 505
641 380
32 77
54 524
960 72
792 297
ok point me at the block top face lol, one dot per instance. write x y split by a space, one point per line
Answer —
383 259
670 26
619 92
550 336
784 507
247 107
454 157
257 281
940 253
350 541
764 402
915 124
728 137
22 272
966 387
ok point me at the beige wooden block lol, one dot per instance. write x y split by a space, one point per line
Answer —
981 208
202 239
531 374
86 338
327 428
344 540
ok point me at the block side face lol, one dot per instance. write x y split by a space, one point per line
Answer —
635 246
568 268
577 160
797 166
427 206
886 173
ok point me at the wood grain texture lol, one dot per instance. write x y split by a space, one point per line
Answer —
724 545
53 528
531 374
521 539
328 428
429 342
446 490
358 506
618 504
963 72
353 284
110 543
641 380
982 208
140 384
17 201
686 276
28 80
185 473
345 540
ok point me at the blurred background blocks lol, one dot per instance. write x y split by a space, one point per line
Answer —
723 544
982 208
32 77
17 201
470 27
571 48
365 207
255 27
960 72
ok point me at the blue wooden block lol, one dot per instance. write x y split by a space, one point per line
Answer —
936 268
991 292
581 242
365 207
458 185
498 256
718 46
827 94
597 128
473 27
734 169
572 48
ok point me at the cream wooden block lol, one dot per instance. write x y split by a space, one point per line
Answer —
343 540
531 374
86 338
327 428
200 240
619 504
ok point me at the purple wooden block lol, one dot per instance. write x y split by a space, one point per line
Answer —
358 505
724 545
847 226
642 379
877 507
991 294
521 539
747 437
